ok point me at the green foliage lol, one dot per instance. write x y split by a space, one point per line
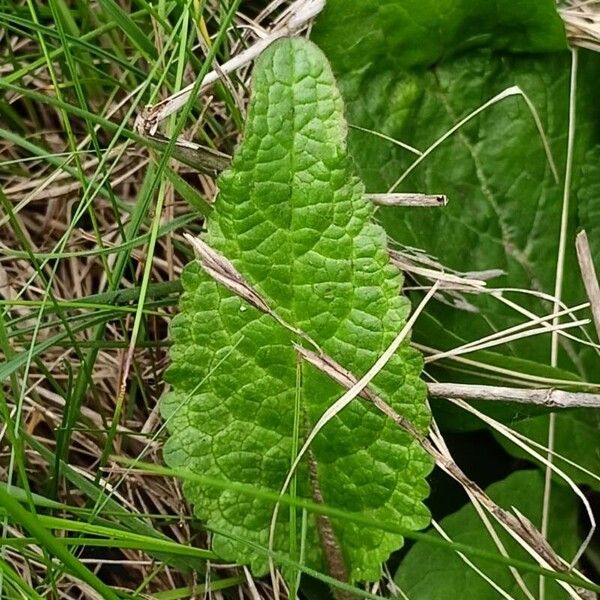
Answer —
81 220
576 438
412 70
391 35
292 218
505 205
431 574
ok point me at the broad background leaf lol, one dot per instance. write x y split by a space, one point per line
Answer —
576 439
434 574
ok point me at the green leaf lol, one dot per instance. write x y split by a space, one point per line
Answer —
388 35
505 205
576 438
429 574
291 216
588 208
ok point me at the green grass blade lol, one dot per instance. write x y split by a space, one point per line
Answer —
31 523
130 27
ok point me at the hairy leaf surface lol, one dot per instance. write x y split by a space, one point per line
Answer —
435 574
291 217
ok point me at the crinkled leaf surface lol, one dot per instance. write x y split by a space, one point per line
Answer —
428 573
292 218
416 71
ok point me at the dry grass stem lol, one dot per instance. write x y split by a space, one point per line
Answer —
524 444
503 374
589 277
224 272
498 340
439 441
515 333
582 23
564 335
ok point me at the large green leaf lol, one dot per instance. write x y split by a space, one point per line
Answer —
433 574
292 218
394 35
576 438
413 73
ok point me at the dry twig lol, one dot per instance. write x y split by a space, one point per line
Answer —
547 397
582 23
418 200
